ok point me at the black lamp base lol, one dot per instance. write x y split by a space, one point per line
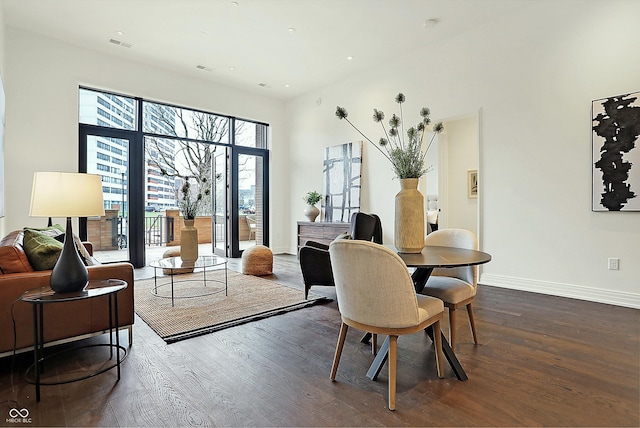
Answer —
69 274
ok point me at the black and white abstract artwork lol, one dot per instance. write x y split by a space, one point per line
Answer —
341 189
616 155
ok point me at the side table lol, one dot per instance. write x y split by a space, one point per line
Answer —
46 296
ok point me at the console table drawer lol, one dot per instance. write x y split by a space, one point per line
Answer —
323 232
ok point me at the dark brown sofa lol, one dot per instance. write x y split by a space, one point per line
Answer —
64 320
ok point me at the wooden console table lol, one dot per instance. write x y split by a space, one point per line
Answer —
323 232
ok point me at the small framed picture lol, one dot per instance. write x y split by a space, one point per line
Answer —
472 183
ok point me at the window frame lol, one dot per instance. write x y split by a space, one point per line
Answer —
136 168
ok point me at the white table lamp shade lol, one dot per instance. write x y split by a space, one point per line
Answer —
64 194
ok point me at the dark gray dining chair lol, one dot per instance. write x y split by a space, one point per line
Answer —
314 256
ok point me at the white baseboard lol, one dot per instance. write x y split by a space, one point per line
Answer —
600 295
282 250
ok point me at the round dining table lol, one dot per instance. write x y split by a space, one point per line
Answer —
425 262
433 257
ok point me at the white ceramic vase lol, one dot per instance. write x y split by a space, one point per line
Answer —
311 212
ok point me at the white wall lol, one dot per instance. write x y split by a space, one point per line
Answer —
42 82
532 76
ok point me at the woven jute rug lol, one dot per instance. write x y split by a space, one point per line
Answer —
248 298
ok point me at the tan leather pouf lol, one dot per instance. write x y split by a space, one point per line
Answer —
174 252
257 260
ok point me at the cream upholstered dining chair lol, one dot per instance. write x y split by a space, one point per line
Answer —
376 294
456 287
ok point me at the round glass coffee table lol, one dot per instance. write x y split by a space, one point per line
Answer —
207 263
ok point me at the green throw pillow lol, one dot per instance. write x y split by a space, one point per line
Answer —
41 250
57 231
52 231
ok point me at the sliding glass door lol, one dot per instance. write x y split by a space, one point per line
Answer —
221 204
240 205
108 156
250 194
250 187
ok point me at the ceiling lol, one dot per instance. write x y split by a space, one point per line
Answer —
277 48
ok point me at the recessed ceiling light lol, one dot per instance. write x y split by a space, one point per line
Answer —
287 85
120 33
291 30
232 68
235 3
349 58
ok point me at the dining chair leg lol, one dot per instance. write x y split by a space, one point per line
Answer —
393 350
336 358
437 336
472 322
374 344
452 328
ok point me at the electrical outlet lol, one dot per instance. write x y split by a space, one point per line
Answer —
614 264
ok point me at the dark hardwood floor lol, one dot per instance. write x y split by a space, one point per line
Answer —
541 361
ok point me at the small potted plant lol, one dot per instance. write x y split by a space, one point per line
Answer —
312 198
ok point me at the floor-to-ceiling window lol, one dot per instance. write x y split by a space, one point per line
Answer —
145 152
249 193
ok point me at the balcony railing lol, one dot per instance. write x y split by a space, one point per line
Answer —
110 232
